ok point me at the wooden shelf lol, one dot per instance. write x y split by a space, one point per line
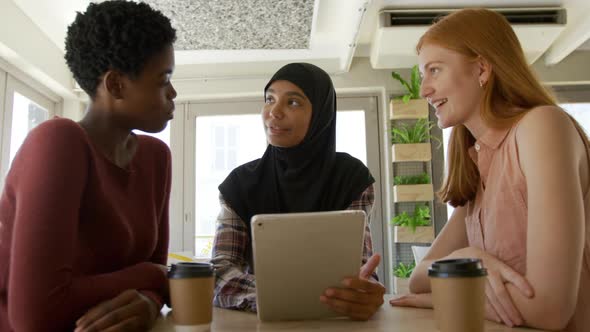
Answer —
423 234
414 109
411 152
413 193
401 285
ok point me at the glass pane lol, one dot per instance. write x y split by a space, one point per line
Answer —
231 136
203 246
580 112
248 143
446 136
26 115
219 159
219 136
350 134
163 136
232 161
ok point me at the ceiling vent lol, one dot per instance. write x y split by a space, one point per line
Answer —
398 32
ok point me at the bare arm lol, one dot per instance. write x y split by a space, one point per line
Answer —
452 237
552 157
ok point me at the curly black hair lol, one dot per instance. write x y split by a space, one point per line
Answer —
119 35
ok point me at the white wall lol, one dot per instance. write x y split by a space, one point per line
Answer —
72 109
360 77
26 47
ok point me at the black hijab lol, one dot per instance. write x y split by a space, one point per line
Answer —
311 176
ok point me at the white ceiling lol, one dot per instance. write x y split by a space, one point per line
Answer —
335 27
329 44
234 25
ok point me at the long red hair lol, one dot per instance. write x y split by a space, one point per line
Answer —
511 90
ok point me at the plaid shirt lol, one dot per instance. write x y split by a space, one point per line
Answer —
235 284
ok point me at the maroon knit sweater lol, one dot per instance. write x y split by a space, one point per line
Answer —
76 230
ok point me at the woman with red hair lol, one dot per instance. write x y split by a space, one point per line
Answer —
518 175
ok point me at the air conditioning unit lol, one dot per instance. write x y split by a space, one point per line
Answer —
398 31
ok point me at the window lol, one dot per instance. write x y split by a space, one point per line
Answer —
446 138
575 99
222 143
26 115
222 136
24 109
355 145
580 112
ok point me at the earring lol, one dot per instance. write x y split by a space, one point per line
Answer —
481 84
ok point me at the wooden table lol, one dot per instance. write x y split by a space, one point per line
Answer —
388 318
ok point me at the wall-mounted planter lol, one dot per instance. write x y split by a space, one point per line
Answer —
414 109
423 234
411 152
413 193
401 285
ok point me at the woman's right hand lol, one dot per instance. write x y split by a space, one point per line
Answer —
500 306
129 311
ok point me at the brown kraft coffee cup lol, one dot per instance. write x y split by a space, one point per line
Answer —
458 294
191 293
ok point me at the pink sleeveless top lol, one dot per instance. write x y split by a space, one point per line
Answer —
496 219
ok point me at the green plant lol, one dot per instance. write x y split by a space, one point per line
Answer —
422 214
423 178
413 87
408 134
421 217
404 271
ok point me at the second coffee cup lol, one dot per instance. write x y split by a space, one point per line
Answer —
191 293
458 294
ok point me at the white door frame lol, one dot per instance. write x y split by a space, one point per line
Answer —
369 104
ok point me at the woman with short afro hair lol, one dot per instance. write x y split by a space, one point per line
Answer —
84 210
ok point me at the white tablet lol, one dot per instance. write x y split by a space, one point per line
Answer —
298 255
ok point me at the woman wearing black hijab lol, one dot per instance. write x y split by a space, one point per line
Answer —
299 172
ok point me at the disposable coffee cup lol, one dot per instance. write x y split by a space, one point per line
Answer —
191 294
458 294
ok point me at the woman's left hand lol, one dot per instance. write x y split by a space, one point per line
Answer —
360 297
424 300
129 311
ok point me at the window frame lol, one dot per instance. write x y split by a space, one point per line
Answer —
13 85
193 110
177 219
3 78
373 134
